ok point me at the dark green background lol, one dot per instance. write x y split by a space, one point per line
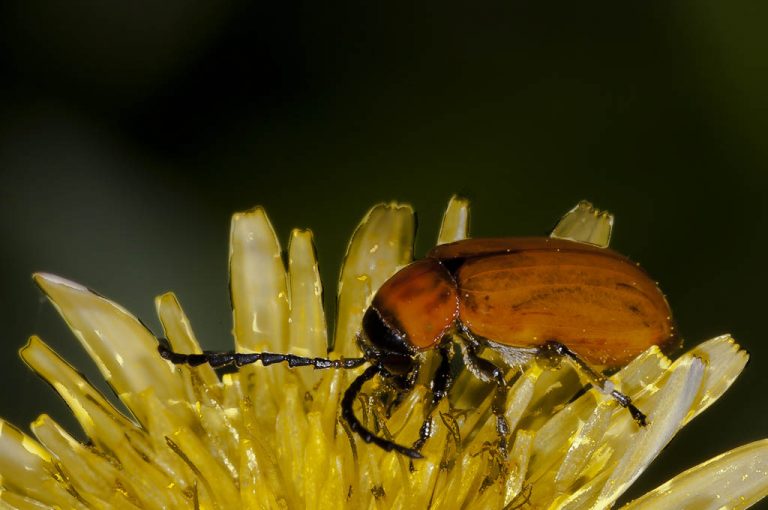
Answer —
130 131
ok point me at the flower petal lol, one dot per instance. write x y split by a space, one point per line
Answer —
178 331
96 415
725 360
307 329
260 305
735 480
257 284
123 349
666 417
27 470
381 244
455 225
585 224
99 482
126 443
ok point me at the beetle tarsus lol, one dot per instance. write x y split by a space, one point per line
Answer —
626 402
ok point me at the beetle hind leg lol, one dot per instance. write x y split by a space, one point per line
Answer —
555 351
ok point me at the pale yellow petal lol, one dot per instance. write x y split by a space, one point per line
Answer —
178 331
27 470
734 480
518 465
99 482
583 445
626 449
585 224
455 225
307 329
110 431
260 305
257 284
725 360
666 417
96 415
382 243
123 349
12 501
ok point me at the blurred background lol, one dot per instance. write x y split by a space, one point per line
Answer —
131 131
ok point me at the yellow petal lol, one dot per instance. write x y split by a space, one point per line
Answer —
27 469
666 417
260 304
123 349
734 480
455 225
96 415
257 284
178 331
585 224
382 243
110 431
725 360
99 482
307 329
583 445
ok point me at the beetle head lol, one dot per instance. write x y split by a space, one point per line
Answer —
383 343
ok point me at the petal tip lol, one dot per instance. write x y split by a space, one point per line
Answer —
32 342
47 280
255 211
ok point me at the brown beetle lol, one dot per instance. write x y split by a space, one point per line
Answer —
522 297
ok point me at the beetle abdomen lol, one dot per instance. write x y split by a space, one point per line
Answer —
596 302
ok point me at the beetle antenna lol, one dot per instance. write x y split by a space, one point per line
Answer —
238 359
354 424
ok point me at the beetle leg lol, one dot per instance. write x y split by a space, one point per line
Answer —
488 372
238 359
441 384
366 435
553 349
400 385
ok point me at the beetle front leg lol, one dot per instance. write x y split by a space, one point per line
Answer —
441 384
557 351
348 413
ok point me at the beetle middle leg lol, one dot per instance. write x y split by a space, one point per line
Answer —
486 371
556 351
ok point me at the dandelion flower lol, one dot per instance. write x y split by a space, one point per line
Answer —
271 438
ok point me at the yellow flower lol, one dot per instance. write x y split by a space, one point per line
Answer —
272 437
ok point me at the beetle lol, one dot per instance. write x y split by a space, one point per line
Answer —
525 298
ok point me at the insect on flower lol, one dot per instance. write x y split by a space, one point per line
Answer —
564 297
